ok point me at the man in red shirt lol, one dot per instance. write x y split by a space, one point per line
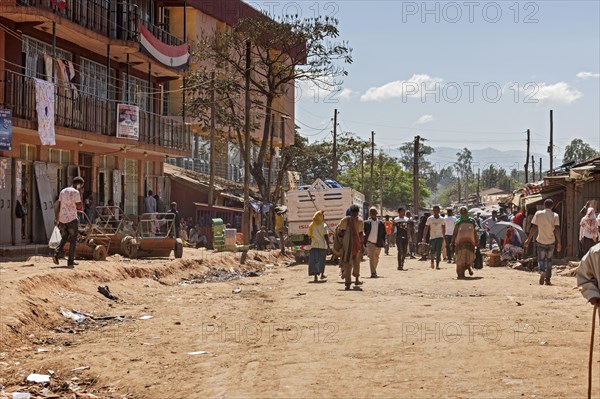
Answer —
389 230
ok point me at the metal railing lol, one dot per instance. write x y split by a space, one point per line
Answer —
114 19
75 110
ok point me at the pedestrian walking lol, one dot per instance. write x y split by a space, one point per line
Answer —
449 222
280 226
435 227
319 245
65 218
422 234
588 230
412 235
389 230
545 227
487 225
464 239
374 240
401 223
351 231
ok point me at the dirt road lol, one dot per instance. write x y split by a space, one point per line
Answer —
418 333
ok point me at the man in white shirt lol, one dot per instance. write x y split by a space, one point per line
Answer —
374 240
66 220
487 225
150 203
449 221
545 225
435 226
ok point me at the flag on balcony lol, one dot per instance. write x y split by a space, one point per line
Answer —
60 3
44 106
172 56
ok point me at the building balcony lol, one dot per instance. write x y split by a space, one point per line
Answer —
98 116
102 22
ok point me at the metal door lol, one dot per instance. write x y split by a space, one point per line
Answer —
45 196
6 203
18 196
116 186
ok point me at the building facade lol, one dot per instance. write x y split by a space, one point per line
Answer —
85 91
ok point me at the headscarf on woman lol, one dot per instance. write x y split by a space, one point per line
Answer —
460 219
589 225
317 220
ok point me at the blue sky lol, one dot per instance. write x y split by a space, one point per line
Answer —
497 69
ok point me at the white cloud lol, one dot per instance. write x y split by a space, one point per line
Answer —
424 119
413 88
557 93
346 94
586 75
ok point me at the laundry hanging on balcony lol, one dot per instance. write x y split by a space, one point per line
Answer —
44 106
172 56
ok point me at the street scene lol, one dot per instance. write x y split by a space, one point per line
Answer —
215 199
416 333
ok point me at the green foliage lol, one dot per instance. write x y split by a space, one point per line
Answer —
464 163
578 151
282 52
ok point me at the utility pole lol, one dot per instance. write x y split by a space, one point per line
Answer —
540 168
335 158
381 183
527 157
416 174
247 149
362 169
551 146
211 180
459 189
372 160
533 169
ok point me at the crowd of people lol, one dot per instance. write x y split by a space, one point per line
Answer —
441 236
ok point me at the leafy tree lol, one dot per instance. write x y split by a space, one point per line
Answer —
464 163
407 152
397 183
578 151
282 52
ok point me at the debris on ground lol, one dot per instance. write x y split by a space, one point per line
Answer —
104 290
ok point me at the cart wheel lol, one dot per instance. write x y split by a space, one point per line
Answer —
100 252
178 248
129 247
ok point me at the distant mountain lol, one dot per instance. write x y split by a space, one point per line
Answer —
482 159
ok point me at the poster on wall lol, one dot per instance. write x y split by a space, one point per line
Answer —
128 121
5 129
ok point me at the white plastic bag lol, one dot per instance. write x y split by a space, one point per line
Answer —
55 238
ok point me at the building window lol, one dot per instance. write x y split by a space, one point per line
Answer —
38 57
61 157
93 80
138 93
27 152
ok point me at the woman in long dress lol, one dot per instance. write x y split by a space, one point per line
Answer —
465 241
319 244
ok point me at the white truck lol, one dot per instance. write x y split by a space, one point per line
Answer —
327 196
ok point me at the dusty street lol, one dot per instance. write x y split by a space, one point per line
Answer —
419 333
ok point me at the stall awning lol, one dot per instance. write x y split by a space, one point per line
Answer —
535 198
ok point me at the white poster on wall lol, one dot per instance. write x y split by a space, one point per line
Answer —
128 121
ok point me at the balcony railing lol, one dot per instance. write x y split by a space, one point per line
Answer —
114 19
75 110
